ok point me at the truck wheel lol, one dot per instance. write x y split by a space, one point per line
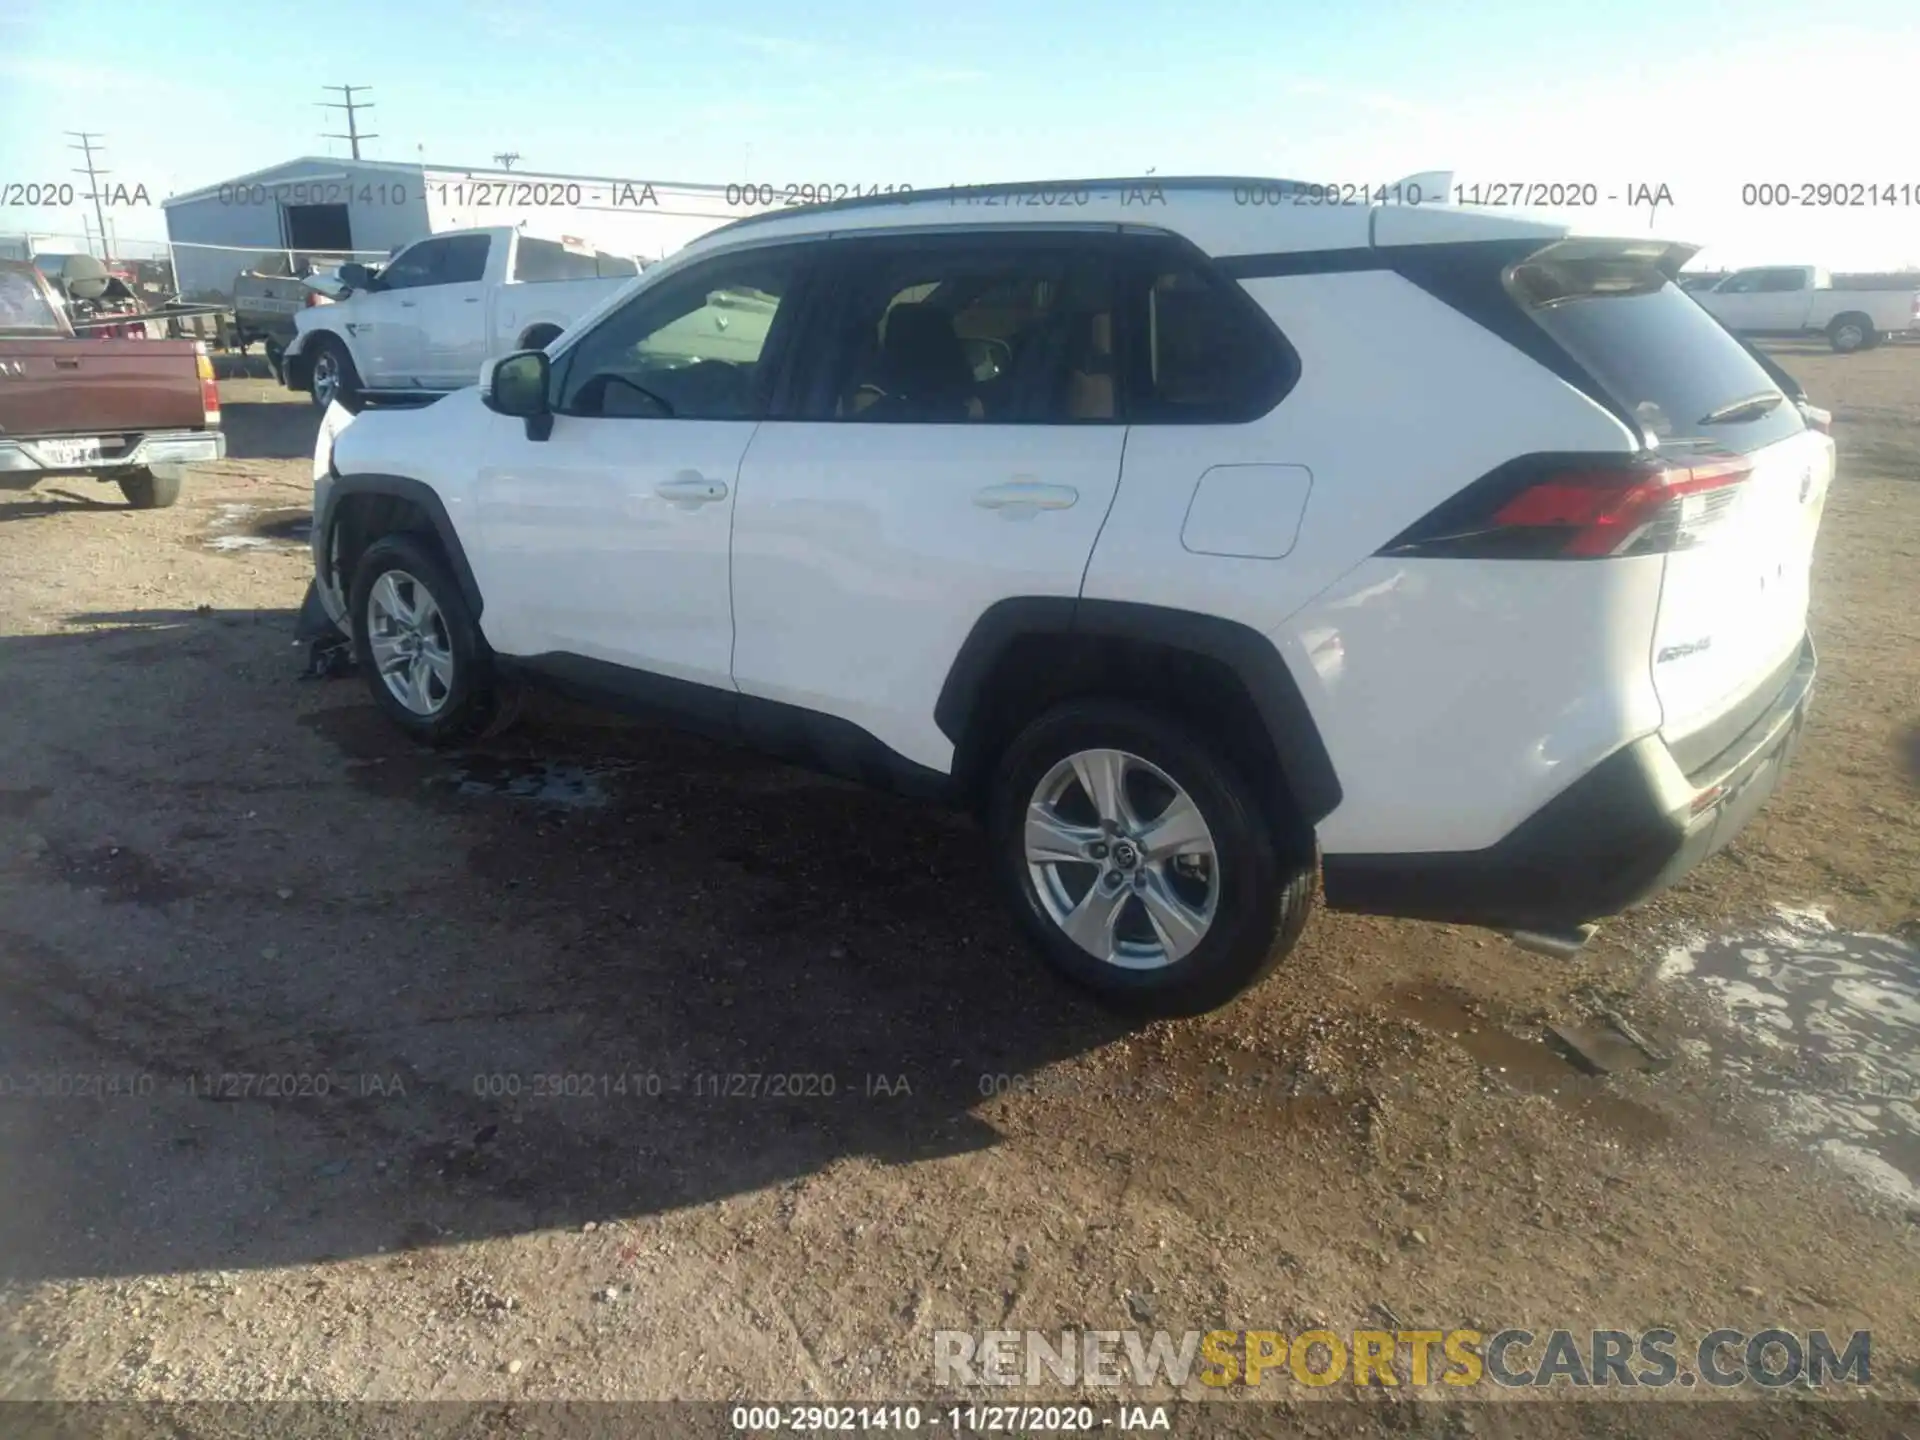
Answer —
1139 862
333 375
538 337
1849 333
426 662
147 491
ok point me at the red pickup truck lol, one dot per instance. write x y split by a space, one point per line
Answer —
136 412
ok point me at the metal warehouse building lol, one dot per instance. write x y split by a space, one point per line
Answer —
370 207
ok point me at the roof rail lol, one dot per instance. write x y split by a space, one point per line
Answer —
975 193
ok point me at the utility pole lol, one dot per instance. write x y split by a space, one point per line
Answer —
87 138
505 158
347 103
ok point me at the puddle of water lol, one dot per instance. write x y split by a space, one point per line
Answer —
548 782
386 762
239 526
1530 1066
1833 1025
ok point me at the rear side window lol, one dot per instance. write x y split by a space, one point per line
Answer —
23 306
1203 352
1650 346
985 330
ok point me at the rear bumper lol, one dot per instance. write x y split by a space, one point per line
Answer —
1621 833
25 459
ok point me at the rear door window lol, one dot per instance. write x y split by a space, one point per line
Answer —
985 329
1661 357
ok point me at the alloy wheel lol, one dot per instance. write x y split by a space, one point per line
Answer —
326 378
1122 859
408 637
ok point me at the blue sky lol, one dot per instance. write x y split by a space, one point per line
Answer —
1700 98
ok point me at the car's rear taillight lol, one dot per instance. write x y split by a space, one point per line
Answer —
1816 418
209 384
1575 507
313 298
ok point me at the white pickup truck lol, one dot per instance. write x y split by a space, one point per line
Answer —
423 323
1801 299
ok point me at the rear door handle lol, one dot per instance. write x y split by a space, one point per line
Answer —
690 487
1024 495
406 304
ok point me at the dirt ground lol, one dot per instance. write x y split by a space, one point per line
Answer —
210 867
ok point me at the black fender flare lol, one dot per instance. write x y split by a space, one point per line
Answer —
416 492
298 368
1249 655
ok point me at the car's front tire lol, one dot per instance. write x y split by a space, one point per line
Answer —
426 662
1140 863
331 375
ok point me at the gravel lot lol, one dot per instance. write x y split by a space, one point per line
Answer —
488 999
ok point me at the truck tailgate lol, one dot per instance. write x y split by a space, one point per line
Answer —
99 387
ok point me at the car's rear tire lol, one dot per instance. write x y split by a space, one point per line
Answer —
426 662
1849 333
538 337
147 491
331 375
1115 828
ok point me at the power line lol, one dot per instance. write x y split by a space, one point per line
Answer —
505 158
87 139
347 103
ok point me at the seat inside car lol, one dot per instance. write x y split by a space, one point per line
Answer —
922 372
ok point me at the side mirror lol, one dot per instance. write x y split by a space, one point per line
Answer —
359 276
516 384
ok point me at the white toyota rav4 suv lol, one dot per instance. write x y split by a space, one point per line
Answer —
1205 539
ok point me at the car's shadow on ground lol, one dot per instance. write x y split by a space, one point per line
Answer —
350 996
62 499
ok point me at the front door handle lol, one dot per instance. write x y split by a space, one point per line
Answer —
1024 495
690 487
